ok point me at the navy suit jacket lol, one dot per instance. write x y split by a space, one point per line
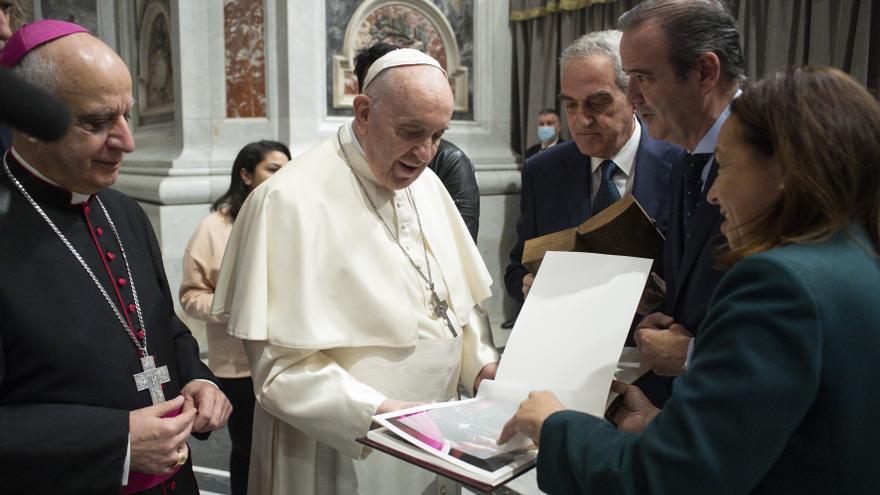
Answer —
556 194
689 271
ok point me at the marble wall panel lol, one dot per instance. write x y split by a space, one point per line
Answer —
155 68
399 24
82 12
245 58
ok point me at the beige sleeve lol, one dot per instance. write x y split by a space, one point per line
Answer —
312 393
478 347
200 266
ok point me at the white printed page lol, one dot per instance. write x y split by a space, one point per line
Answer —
570 332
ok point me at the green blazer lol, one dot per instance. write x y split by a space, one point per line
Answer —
781 395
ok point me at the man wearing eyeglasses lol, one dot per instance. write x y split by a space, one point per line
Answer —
610 154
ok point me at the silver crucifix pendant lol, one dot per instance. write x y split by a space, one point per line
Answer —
152 378
440 308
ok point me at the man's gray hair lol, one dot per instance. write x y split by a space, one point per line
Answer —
381 89
39 71
692 28
605 43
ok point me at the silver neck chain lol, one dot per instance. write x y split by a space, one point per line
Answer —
391 233
141 348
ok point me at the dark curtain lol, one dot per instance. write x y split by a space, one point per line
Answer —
841 33
776 33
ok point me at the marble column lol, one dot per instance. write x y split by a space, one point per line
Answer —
222 87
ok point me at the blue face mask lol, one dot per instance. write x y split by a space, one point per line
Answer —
546 133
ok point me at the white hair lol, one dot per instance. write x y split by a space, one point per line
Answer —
604 43
40 71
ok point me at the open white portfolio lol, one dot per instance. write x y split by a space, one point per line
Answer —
567 339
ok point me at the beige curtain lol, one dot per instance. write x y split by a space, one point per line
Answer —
776 33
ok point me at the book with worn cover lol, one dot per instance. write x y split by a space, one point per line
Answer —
568 339
624 229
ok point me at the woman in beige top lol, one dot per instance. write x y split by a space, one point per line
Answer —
255 163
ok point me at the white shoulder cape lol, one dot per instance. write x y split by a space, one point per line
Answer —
309 266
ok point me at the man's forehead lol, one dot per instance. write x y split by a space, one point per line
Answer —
595 70
99 109
97 97
642 45
414 122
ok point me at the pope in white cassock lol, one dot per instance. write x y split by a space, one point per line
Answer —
355 285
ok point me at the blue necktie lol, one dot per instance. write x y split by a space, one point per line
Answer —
694 163
607 193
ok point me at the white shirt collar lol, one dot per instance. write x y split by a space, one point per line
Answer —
626 156
551 144
75 197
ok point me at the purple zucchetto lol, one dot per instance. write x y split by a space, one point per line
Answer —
32 35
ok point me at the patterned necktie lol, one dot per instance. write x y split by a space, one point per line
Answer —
607 193
693 188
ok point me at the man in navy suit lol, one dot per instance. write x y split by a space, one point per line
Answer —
610 154
685 63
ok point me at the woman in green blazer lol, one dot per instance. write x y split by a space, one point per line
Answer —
784 381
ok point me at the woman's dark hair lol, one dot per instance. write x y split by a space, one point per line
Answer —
248 158
365 59
823 129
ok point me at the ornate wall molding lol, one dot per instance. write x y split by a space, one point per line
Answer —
155 77
413 23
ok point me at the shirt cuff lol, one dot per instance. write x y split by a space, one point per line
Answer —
687 360
127 465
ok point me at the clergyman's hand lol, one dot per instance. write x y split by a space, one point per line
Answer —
211 405
528 280
389 405
634 411
665 351
530 416
487 373
156 442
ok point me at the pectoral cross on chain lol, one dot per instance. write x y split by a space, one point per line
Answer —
152 378
440 307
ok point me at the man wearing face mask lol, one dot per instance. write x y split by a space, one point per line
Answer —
548 132
609 156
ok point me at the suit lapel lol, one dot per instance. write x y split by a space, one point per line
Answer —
706 222
574 184
645 180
